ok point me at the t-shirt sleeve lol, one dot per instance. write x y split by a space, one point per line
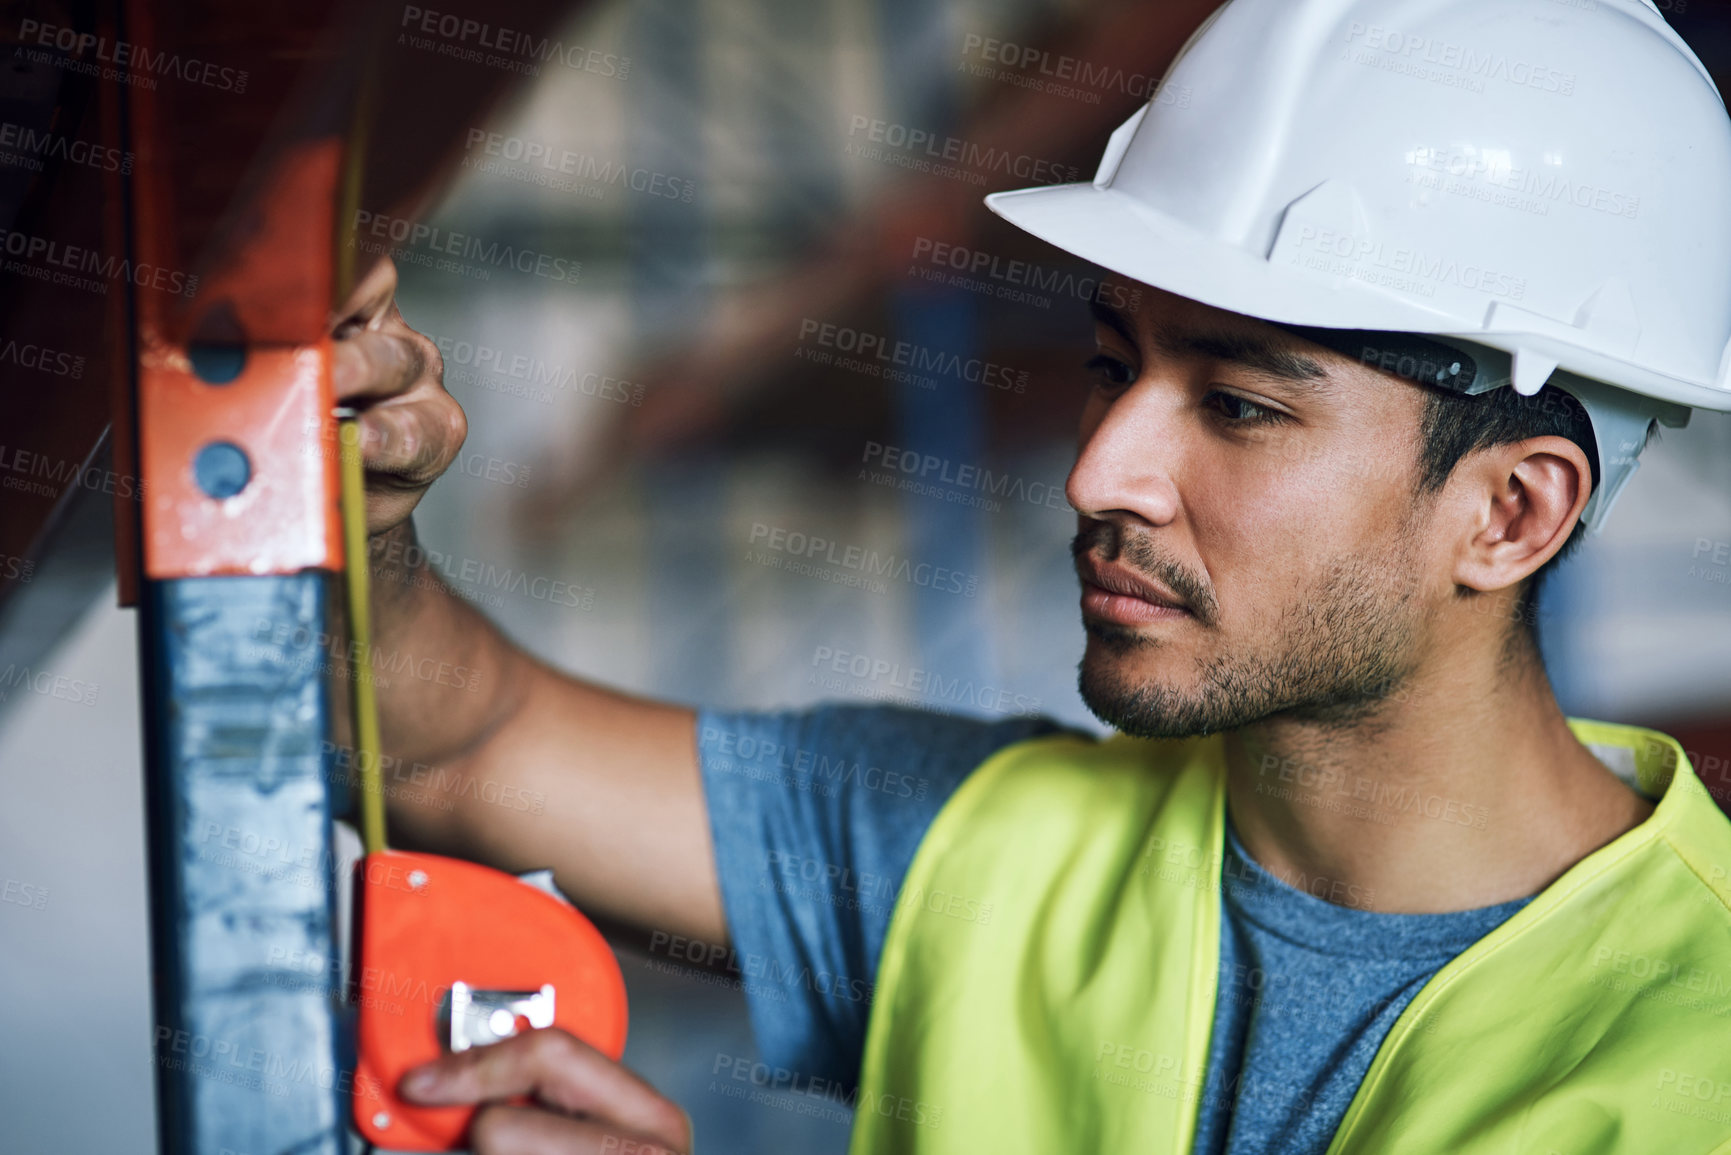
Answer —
815 815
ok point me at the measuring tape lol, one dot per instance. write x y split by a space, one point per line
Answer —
449 955
358 580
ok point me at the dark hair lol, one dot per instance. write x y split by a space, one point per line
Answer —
1456 424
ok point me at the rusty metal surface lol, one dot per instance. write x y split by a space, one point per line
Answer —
213 211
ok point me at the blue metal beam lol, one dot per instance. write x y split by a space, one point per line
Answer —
248 1014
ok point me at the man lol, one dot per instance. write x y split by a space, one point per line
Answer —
1415 296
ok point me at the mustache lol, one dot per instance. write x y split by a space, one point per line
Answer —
1138 552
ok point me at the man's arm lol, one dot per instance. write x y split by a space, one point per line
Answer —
502 759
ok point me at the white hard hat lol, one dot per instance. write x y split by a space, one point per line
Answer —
1545 184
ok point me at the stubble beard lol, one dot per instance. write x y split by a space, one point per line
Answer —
1339 652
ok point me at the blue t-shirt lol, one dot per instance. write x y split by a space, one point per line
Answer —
816 815
1308 989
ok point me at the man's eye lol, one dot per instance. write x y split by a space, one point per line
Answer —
1109 372
1240 411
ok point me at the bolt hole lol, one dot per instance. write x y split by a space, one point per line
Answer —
217 345
216 364
222 469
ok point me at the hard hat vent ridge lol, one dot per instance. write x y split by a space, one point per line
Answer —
1543 178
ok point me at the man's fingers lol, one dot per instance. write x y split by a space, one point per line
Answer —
374 364
411 429
412 441
369 300
503 1130
560 1071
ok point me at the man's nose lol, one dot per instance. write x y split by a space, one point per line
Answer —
1129 457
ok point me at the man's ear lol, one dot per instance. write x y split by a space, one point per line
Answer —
1523 500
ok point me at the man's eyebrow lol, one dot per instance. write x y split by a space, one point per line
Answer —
1112 319
1252 353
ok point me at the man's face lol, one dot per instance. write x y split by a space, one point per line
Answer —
1264 487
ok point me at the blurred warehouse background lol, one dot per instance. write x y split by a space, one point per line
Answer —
755 198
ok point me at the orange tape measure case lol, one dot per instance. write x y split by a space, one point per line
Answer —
452 955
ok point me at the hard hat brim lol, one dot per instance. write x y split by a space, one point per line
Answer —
1118 232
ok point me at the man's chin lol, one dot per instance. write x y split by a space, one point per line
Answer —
1136 703
1109 638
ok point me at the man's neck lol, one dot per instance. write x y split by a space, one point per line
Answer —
1438 802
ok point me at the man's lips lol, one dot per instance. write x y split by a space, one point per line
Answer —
1125 597
1118 580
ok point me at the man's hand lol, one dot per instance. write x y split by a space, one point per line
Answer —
411 429
618 810
584 1102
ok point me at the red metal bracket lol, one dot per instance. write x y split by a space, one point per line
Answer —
267 299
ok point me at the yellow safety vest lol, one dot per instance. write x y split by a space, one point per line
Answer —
1048 981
